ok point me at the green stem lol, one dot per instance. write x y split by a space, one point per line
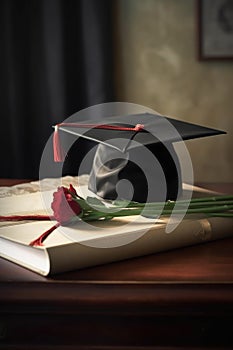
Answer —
151 212
207 201
211 206
227 215
205 204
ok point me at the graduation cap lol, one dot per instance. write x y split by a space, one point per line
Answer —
138 148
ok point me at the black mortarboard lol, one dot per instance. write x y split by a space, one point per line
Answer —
153 170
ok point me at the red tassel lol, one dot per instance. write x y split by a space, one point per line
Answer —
58 152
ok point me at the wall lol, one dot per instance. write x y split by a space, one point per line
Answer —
158 65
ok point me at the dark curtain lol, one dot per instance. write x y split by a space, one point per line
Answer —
56 59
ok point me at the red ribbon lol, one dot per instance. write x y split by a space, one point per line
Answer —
39 241
24 217
58 152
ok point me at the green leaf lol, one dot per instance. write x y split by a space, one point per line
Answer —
95 202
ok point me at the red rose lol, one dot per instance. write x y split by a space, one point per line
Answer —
64 206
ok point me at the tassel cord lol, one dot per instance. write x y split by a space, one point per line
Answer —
58 152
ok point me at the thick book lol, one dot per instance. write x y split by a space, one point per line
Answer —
81 245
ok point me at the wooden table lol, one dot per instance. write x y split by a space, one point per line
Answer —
173 300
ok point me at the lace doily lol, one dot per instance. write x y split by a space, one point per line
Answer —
47 184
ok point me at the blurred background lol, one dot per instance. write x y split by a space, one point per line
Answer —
58 57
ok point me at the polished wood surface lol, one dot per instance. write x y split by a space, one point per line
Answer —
173 300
